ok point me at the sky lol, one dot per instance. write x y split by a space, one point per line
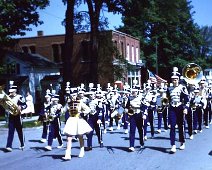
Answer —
54 14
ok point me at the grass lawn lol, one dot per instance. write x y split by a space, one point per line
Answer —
29 123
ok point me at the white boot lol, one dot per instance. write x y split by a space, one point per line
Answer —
82 152
173 149
182 146
67 155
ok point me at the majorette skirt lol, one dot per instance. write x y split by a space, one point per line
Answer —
76 126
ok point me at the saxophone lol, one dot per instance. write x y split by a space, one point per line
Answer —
7 103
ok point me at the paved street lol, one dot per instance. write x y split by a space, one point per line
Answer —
113 156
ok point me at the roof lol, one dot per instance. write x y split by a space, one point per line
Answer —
35 60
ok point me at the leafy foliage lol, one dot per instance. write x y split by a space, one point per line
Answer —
16 16
167 23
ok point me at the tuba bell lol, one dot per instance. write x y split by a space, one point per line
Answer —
7 103
192 73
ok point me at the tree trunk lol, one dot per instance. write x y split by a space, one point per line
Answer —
69 35
94 13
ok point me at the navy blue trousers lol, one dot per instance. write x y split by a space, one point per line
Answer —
197 119
55 132
163 116
92 121
125 120
136 120
188 119
150 119
15 123
176 117
45 129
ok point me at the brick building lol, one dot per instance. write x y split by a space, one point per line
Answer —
52 47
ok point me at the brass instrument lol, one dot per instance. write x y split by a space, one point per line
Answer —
164 104
196 104
116 114
7 103
130 111
51 113
165 101
193 73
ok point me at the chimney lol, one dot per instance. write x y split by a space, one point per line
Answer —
39 33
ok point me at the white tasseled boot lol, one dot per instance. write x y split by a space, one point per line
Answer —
67 155
82 152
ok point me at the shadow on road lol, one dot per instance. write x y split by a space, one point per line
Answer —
38 149
164 150
161 137
6 151
110 149
57 156
36 141
115 132
3 150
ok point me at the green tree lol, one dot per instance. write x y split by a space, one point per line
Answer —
16 16
206 48
204 52
167 23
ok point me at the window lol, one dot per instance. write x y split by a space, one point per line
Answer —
133 56
56 54
62 47
136 55
128 52
85 50
115 44
122 49
13 68
32 49
25 49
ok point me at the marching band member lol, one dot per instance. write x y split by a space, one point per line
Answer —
125 117
138 112
162 103
44 114
119 109
150 98
95 119
203 93
113 101
209 105
54 123
108 104
197 106
75 125
15 121
189 117
176 94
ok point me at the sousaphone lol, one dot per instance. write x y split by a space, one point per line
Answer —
192 73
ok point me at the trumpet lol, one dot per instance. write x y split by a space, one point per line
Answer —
7 103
